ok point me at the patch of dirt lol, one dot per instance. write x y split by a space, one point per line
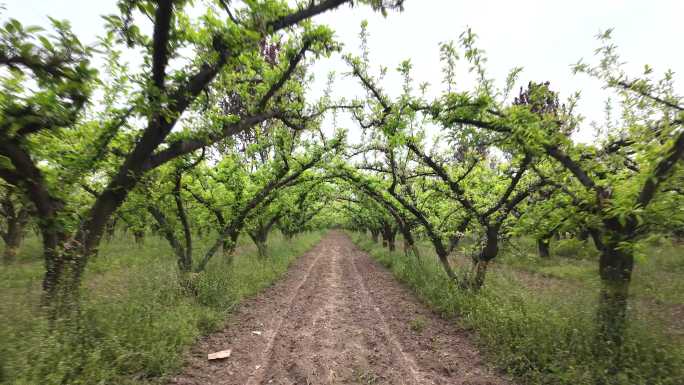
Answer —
337 318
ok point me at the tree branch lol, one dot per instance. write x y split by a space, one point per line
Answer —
303 14
160 41
662 171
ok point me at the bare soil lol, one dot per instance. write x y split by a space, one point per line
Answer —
337 317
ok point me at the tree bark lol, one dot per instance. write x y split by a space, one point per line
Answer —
615 269
488 252
374 236
389 234
259 240
480 271
226 248
16 221
411 248
62 279
139 236
110 231
543 245
679 235
183 256
262 249
391 241
227 241
13 237
185 262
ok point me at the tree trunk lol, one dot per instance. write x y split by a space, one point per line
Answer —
388 236
183 255
488 252
374 236
260 243
53 243
416 253
443 257
543 247
391 244
679 235
139 236
262 249
10 252
226 248
615 268
16 230
13 238
410 248
583 235
110 231
409 243
65 263
227 240
480 271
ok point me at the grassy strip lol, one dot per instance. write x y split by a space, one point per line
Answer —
136 319
539 337
657 274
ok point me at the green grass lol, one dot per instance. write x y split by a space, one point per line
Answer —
541 335
658 272
136 319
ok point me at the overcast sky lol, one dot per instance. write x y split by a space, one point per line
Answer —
544 37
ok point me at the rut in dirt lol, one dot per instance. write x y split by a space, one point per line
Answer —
337 317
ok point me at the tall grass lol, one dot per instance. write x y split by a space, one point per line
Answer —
658 272
136 319
538 336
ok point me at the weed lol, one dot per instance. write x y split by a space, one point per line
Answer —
365 377
418 324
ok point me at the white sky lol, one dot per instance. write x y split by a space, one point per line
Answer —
543 36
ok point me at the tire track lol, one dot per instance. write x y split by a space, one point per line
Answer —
337 318
256 376
407 361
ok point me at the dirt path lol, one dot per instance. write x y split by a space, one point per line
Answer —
337 318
